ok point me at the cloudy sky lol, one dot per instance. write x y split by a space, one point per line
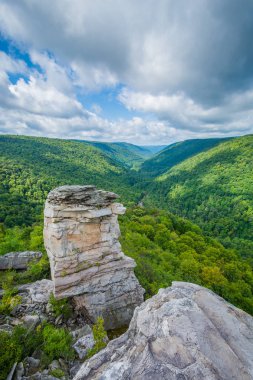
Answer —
145 72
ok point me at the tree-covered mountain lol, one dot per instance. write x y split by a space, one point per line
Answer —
168 248
128 155
154 148
215 190
176 153
30 167
212 188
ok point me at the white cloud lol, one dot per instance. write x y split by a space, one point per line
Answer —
136 130
48 93
8 64
150 45
37 96
234 115
189 66
45 104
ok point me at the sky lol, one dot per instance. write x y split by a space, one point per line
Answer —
147 72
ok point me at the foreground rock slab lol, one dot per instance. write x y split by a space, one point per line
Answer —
18 260
184 332
81 233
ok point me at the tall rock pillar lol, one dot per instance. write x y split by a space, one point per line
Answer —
81 234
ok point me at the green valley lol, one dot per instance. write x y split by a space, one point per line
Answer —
212 188
176 153
215 190
30 167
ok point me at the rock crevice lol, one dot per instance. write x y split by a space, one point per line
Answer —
81 233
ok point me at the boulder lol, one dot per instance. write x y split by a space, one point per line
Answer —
184 332
19 372
39 291
83 344
6 328
81 233
30 321
18 260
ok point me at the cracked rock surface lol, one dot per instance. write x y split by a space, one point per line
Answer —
81 233
184 332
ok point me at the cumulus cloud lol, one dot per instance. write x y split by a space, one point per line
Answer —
187 66
233 116
44 103
8 64
201 47
92 127
47 93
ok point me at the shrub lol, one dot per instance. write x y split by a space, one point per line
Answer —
54 342
10 352
36 271
57 372
100 337
60 306
16 346
57 343
9 300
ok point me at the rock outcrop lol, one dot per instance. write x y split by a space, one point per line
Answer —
34 310
18 260
184 332
81 234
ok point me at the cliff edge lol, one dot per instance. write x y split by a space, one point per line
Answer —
184 332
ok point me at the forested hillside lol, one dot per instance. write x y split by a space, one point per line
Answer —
165 247
168 248
30 167
176 153
128 155
215 190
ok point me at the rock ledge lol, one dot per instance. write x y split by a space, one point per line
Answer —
184 332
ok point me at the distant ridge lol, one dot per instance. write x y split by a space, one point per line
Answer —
176 153
129 155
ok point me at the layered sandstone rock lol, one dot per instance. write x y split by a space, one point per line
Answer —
184 332
18 260
81 234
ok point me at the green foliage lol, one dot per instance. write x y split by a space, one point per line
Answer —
10 298
16 346
60 307
100 337
178 251
215 190
57 372
30 167
54 342
176 153
21 238
57 343
36 271
10 352
125 154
